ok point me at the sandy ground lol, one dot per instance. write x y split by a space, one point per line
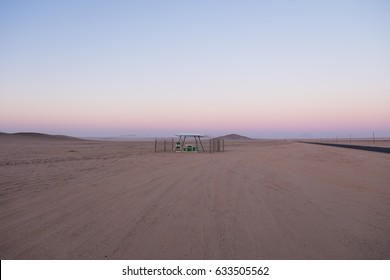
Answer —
258 200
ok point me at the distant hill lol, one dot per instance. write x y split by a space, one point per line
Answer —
37 136
233 137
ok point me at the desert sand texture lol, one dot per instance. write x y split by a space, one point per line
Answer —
73 199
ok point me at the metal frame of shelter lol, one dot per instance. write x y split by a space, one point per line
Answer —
182 140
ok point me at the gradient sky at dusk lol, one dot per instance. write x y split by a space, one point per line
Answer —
154 68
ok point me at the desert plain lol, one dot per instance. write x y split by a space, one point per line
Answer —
79 199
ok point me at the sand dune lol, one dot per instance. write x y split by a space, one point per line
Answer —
34 135
235 137
258 200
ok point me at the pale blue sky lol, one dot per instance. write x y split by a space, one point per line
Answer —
261 68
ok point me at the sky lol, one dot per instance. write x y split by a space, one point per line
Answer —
266 69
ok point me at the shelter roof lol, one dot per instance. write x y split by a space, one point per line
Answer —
190 134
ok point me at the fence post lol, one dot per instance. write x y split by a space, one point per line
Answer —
165 145
155 145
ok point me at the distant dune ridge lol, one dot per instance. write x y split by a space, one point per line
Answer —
36 135
233 137
43 136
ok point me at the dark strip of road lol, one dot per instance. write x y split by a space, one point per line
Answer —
385 150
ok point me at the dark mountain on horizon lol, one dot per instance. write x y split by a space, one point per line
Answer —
233 137
38 136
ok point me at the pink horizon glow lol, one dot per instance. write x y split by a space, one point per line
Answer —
201 123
